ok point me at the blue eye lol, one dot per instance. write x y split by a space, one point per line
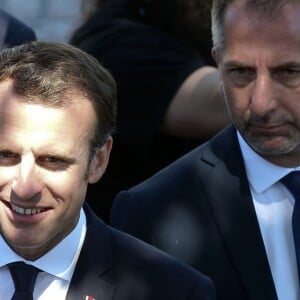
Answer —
51 159
6 154
53 163
8 158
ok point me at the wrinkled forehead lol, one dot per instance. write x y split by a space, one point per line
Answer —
263 10
243 15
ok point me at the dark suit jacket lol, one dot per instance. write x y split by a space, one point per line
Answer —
115 266
199 209
13 32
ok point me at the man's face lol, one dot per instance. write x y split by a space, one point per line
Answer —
260 74
44 170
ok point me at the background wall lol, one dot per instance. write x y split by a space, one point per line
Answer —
52 20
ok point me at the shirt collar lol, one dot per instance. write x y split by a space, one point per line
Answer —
64 254
261 173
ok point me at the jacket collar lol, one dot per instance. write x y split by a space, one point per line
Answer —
235 214
95 259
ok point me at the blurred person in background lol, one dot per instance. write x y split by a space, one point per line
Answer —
13 32
169 99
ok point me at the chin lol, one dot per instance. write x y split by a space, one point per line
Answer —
275 147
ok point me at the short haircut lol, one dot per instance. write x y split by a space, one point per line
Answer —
49 73
261 7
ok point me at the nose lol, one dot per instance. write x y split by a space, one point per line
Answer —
263 95
26 184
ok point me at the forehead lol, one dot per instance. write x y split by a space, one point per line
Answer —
284 17
38 122
246 30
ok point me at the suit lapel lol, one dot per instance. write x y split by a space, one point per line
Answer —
235 215
94 260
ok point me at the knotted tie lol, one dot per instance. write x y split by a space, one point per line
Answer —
292 182
24 277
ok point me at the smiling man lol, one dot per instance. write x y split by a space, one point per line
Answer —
57 114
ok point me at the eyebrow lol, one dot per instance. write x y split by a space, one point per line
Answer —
236 64
291 65
60 154
239 64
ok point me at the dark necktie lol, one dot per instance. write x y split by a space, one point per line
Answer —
292 182
24 277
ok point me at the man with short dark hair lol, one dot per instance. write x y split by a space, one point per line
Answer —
57 115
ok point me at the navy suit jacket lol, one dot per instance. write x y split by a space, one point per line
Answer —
13 32
200 210
115 266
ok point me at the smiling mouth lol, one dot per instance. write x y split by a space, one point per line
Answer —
26 211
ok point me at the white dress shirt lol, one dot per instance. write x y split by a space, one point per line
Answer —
274 207
57 265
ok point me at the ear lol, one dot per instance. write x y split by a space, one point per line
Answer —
215 55
99 162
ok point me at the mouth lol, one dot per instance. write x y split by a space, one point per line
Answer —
271 128
26 211
267 126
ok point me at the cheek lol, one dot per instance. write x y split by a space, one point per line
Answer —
7 174
237 100
74 183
